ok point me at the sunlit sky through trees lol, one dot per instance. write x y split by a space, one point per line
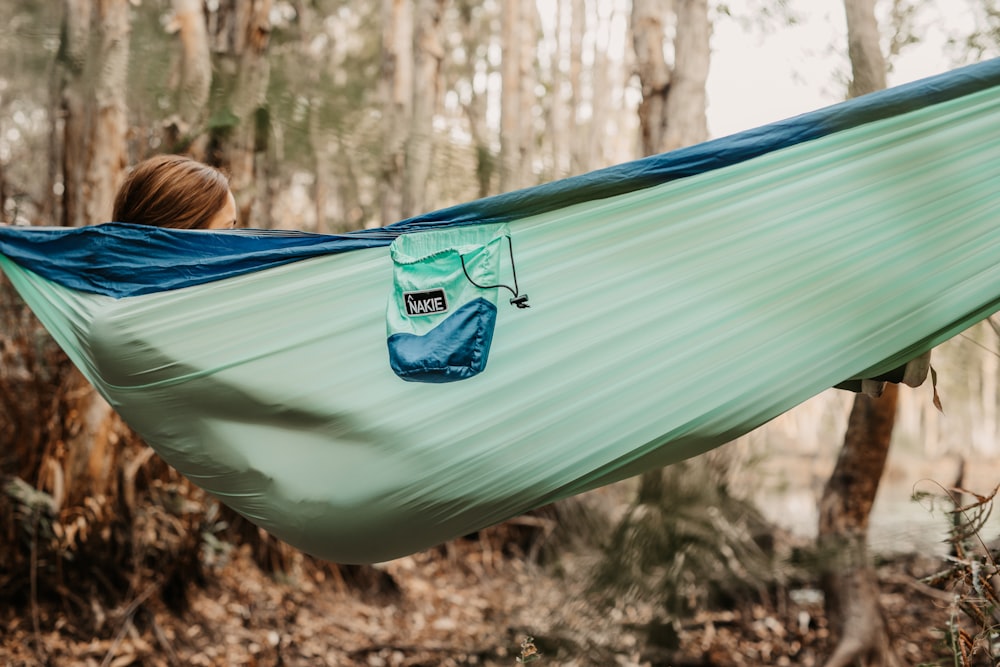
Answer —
764 70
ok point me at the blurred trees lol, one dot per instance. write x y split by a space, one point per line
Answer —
330 115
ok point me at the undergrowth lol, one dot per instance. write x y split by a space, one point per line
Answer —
972 577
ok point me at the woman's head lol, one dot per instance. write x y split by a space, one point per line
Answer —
176 191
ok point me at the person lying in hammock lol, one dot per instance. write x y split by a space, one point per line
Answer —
176 191
181 193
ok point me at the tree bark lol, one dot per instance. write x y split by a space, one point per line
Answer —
648 37
72 65
428 53
685 118
527 31
577 27
193 83
242 36
601 100
109 125
868 66
849 579
473 25
396 85
510 102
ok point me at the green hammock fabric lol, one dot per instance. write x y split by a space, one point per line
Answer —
663 322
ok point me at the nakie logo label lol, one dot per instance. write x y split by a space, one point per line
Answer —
426 302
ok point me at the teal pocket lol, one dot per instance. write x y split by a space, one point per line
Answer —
442 313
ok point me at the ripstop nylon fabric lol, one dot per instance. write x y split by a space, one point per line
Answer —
664 322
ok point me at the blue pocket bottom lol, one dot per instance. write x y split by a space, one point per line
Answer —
454 350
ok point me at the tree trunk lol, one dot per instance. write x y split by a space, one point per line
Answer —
397 96
849 579
194 75
672 111
474 25
868 66
685 121
556 111
242 35
527 31
648 36
73 85
348 187
320 143
428 53
577 27
510 102
109 119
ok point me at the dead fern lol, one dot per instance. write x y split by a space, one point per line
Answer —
972 577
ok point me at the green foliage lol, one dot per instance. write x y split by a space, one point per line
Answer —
694 546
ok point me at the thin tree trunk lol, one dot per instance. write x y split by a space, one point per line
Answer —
320 143
473 26
868 66
556 111
109 126
242 35
427 56
397 96
602 98
648 36
73 86
578 25
94 57
321 140
194 76
528 32
510 103
348 188
849 580
686 122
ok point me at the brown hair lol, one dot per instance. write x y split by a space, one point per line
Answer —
171 191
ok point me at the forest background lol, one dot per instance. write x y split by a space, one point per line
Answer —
332 115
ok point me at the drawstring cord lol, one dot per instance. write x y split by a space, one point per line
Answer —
519 300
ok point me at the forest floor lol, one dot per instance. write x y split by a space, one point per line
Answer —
465 605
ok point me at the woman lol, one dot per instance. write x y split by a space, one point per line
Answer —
176 191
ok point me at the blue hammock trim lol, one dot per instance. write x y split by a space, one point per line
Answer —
120 260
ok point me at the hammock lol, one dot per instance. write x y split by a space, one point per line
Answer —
367 395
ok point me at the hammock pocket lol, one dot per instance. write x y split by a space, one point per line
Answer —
442 312
679 301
